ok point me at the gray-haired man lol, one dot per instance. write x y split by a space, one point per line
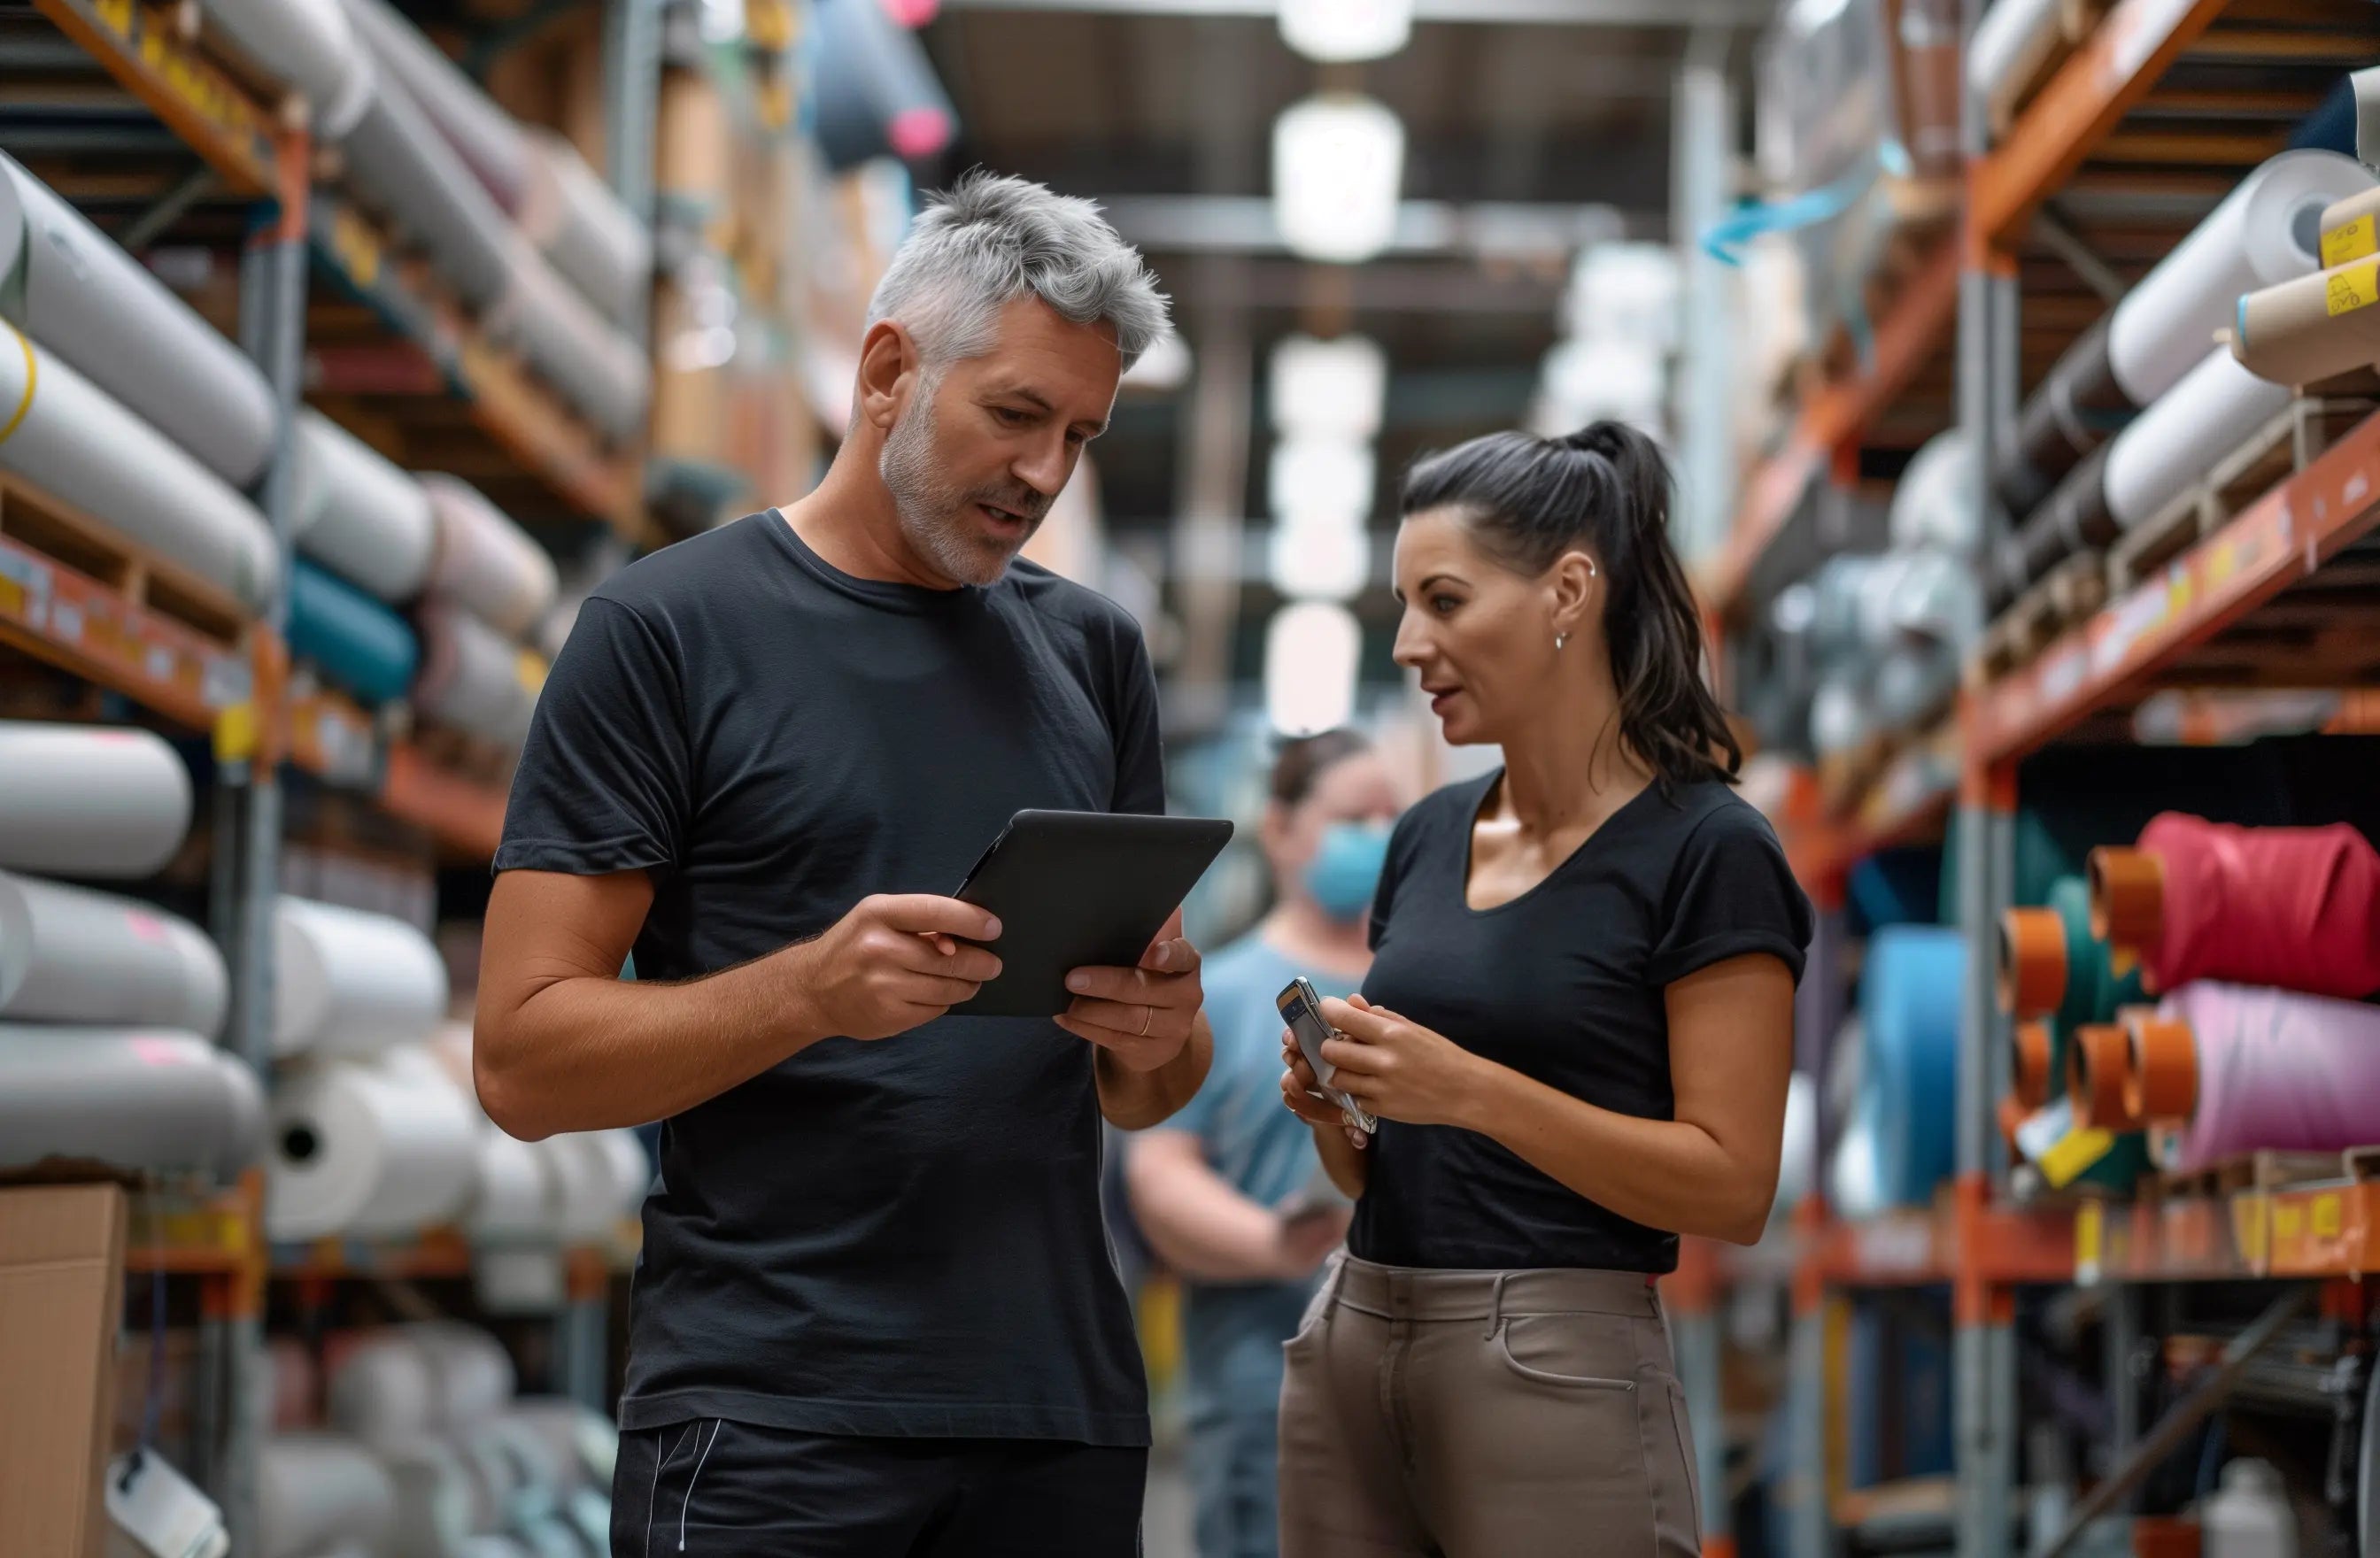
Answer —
876 1312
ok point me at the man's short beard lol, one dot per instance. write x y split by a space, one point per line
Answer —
931 511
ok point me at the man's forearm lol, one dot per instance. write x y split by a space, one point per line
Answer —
1136 1100
582 1053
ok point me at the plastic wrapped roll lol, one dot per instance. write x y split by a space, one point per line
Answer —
358 516
93 957
2077 409
485 563
2275 1071
77 443
316 1492
400 164
72 289
597 369
357 644
473 680
372 1148
1910 992
580 225
2313 328
1936 506
90 800
351 980
306 45
142 1099
2173 444
490 142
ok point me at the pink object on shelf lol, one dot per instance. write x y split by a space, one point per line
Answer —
919 132
2278 1070
913 14
2293 907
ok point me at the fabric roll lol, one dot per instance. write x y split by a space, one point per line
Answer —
95 957
1935 506
876 91
433 1500
69 286
143 1099
398 165
77 443
584 1174
93 801
582 1442
306 45
2173 444
2277 1071
2075 519
1910 992
2293 907
2313 328
514 1198
473 680
484 562
404 1382
349 981
582 228
2077 409
550 1537
359 645
490 142
2266 230
372 1148
2010 45
603 374
315 1491
359 515
473 1374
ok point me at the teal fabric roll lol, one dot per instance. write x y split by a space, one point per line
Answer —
359 645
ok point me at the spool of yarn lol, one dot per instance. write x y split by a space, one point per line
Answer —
360 516
2098 1076
2172 445
2311 328
78 443
349 982
142 1099
490 142
2161 1072
2275 1070
2052 963
95 957
357 644
2293 907
472 678
484 562
70 287
317 1490
88 801
372 1148
1909 1014
582 226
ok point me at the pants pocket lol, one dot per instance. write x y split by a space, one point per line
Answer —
1669 1455
1559 1350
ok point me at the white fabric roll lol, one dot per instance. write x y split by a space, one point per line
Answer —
600 371
359 515
471 678
400 164
316 1491
2009 43
433 1500
304 44
484 562
97 801
404 1382
551 1538
516 1197
1938 500
2176 442
79 443
142 1099
349 981
491 142
586 1201
95 957
2268 230
374 1148
99 309
580 225
582 1442
474 1373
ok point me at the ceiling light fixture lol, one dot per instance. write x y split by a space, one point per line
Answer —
1313 649
1334 31
1328 389
1338 166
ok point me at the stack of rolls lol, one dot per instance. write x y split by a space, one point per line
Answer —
2063 984
109 1005
571 1188
489 589
2321 326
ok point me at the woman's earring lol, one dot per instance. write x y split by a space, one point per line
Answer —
1560 639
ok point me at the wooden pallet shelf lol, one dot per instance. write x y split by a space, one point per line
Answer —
140 47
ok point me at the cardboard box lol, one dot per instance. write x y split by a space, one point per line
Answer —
61 1302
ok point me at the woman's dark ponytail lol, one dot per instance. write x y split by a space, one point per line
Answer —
1605 487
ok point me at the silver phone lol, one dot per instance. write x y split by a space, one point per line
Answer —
1301 1010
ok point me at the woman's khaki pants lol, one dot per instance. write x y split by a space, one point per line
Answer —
1483 1414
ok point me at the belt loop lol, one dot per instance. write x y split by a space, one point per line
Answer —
1495 1306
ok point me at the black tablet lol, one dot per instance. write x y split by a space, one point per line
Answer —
1080 890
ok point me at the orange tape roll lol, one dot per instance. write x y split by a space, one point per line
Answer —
2032 961
2161 1079
2099 1064
2127 898
2031 1070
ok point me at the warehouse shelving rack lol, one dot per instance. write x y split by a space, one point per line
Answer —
2273 592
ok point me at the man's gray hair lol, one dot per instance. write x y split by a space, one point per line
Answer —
992 239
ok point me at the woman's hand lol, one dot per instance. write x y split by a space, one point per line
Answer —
1398 1069
1302 1093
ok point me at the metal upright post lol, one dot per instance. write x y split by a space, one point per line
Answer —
1810 1528
1701 142
632 85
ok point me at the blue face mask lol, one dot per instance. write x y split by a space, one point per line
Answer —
1346 867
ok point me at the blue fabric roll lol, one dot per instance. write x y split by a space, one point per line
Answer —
359 645
1909 997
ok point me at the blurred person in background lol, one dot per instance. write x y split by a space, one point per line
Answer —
1225 1190
1576 1035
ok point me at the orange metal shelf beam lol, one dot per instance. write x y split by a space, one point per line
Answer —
464 815
2104 80
2280 539
74 622
140 48
1917 322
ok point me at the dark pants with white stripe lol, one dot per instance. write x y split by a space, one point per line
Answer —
727 1489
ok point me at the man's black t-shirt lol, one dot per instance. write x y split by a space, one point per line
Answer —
896 1237
1565 984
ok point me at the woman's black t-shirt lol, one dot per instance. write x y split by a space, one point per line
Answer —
1565 984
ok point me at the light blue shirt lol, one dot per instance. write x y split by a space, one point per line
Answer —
1233 1332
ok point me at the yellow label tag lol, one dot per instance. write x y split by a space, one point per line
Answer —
2289 1220
2075 1151
2088 1238
236 730
2351 288
2248 1228
2328 1217
2353 241
530 668
115 14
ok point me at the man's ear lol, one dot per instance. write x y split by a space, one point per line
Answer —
888 373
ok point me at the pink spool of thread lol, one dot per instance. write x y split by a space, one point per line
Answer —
2276 1070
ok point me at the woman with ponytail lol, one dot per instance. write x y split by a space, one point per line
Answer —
1576 1038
